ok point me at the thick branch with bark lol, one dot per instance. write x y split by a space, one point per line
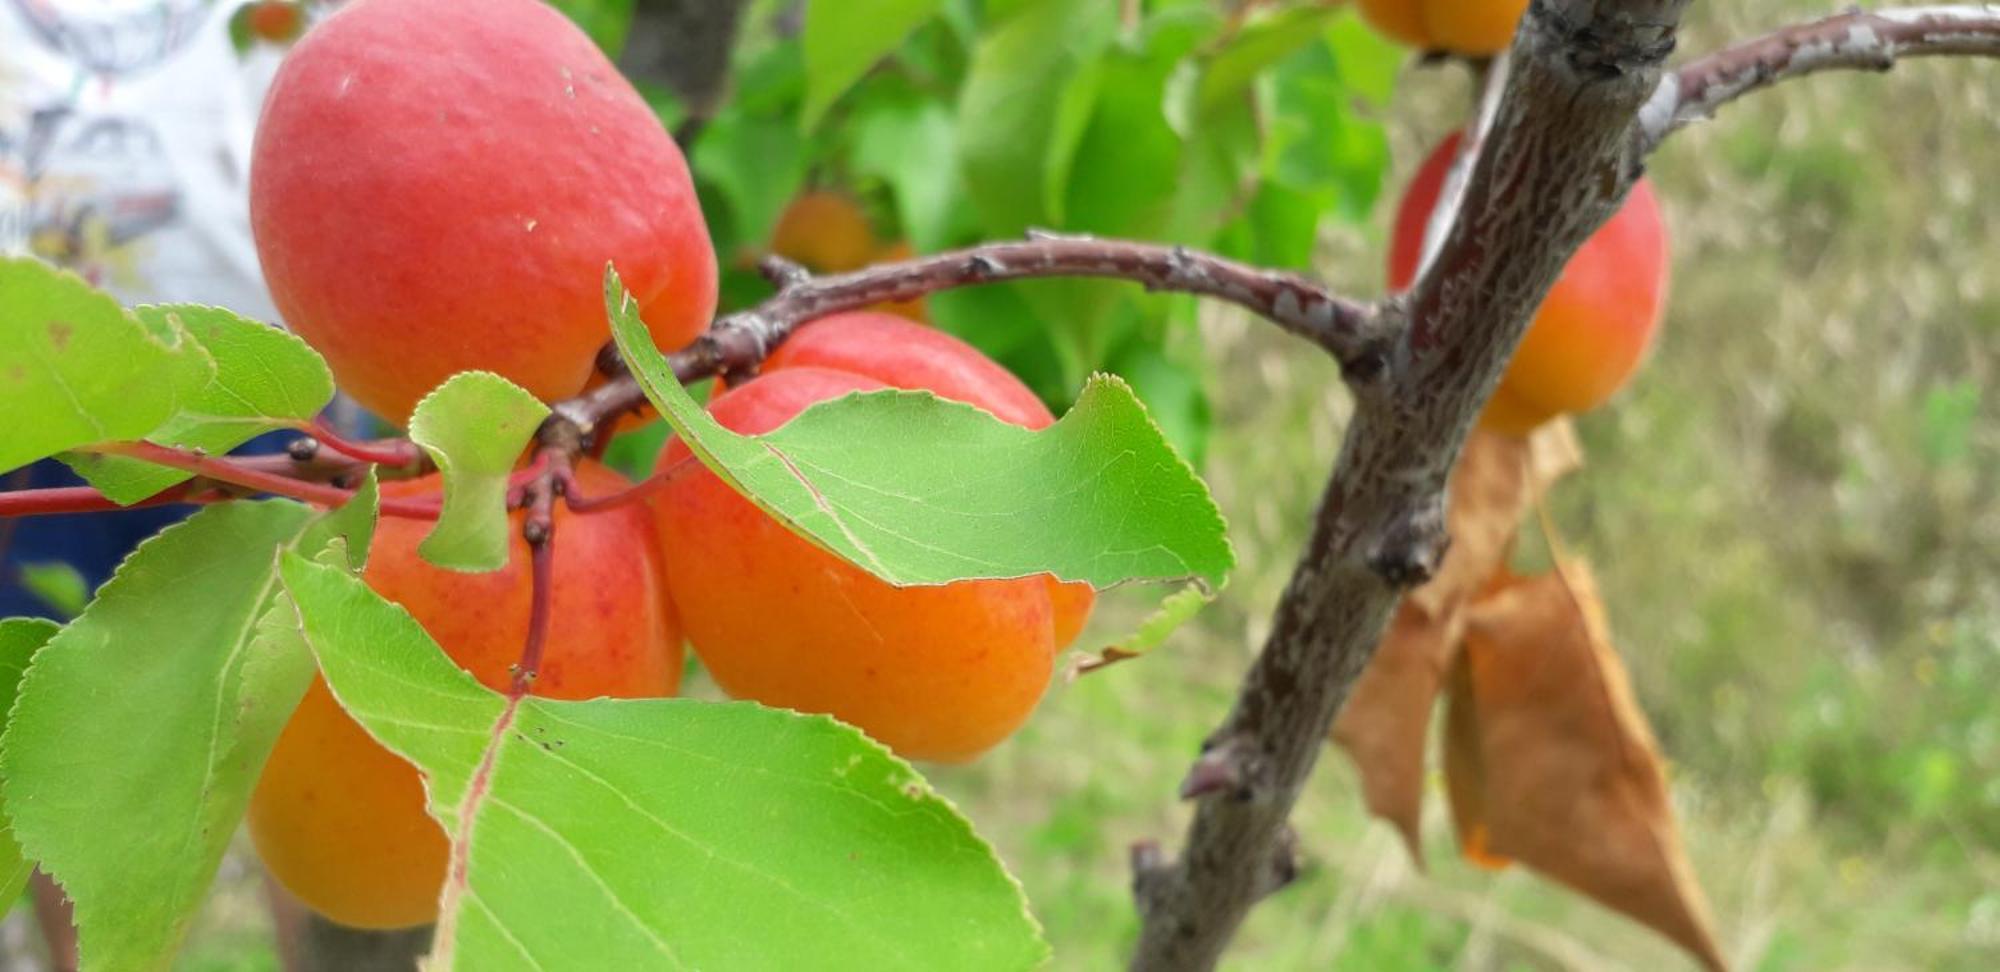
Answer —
1559 159
1857 40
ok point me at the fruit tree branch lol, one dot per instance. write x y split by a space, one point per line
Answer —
1857 40
1349 330
1559 159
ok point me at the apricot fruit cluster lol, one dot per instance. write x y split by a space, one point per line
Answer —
436 186
936 673
1592 331
338 819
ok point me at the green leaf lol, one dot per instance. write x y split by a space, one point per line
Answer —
141 728
911 144
265 378
844 38
1262 42
1319 147
1175 610
1017 135
77 369
756 164
606 21
475 427
1369 62
681 834
20 638
57 585
918 490
1128 186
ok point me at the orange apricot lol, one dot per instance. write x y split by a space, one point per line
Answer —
1474 28
824 231
1592 331
936 673
338 819
436 186
901 354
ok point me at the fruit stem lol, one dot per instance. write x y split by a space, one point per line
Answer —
393 453
539 529
578 503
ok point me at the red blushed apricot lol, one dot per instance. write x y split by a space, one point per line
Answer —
437 186
1474 28
1593 329
338 819
902 354
936 673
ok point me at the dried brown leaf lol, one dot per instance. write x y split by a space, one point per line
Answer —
1568 776
1465 772
1384 723
1386 718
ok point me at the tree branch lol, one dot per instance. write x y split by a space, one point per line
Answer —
1559 159
1349 330
1858 40
684 45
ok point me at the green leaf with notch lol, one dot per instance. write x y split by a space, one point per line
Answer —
265 378
77 369
918 490
475 427
694 834
142 726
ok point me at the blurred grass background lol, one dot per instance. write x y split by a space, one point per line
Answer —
1795 516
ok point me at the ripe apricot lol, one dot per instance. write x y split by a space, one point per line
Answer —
338 819
1592 330
825 231
1474 28
437 185
900 354
937 673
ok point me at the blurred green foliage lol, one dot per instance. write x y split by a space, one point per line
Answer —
955 122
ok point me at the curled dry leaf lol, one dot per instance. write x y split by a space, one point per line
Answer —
1383 725
1465 771
1554 765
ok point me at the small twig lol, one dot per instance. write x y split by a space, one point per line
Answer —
251 478
59 500
1351 331
392 453
636 493
1857 40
